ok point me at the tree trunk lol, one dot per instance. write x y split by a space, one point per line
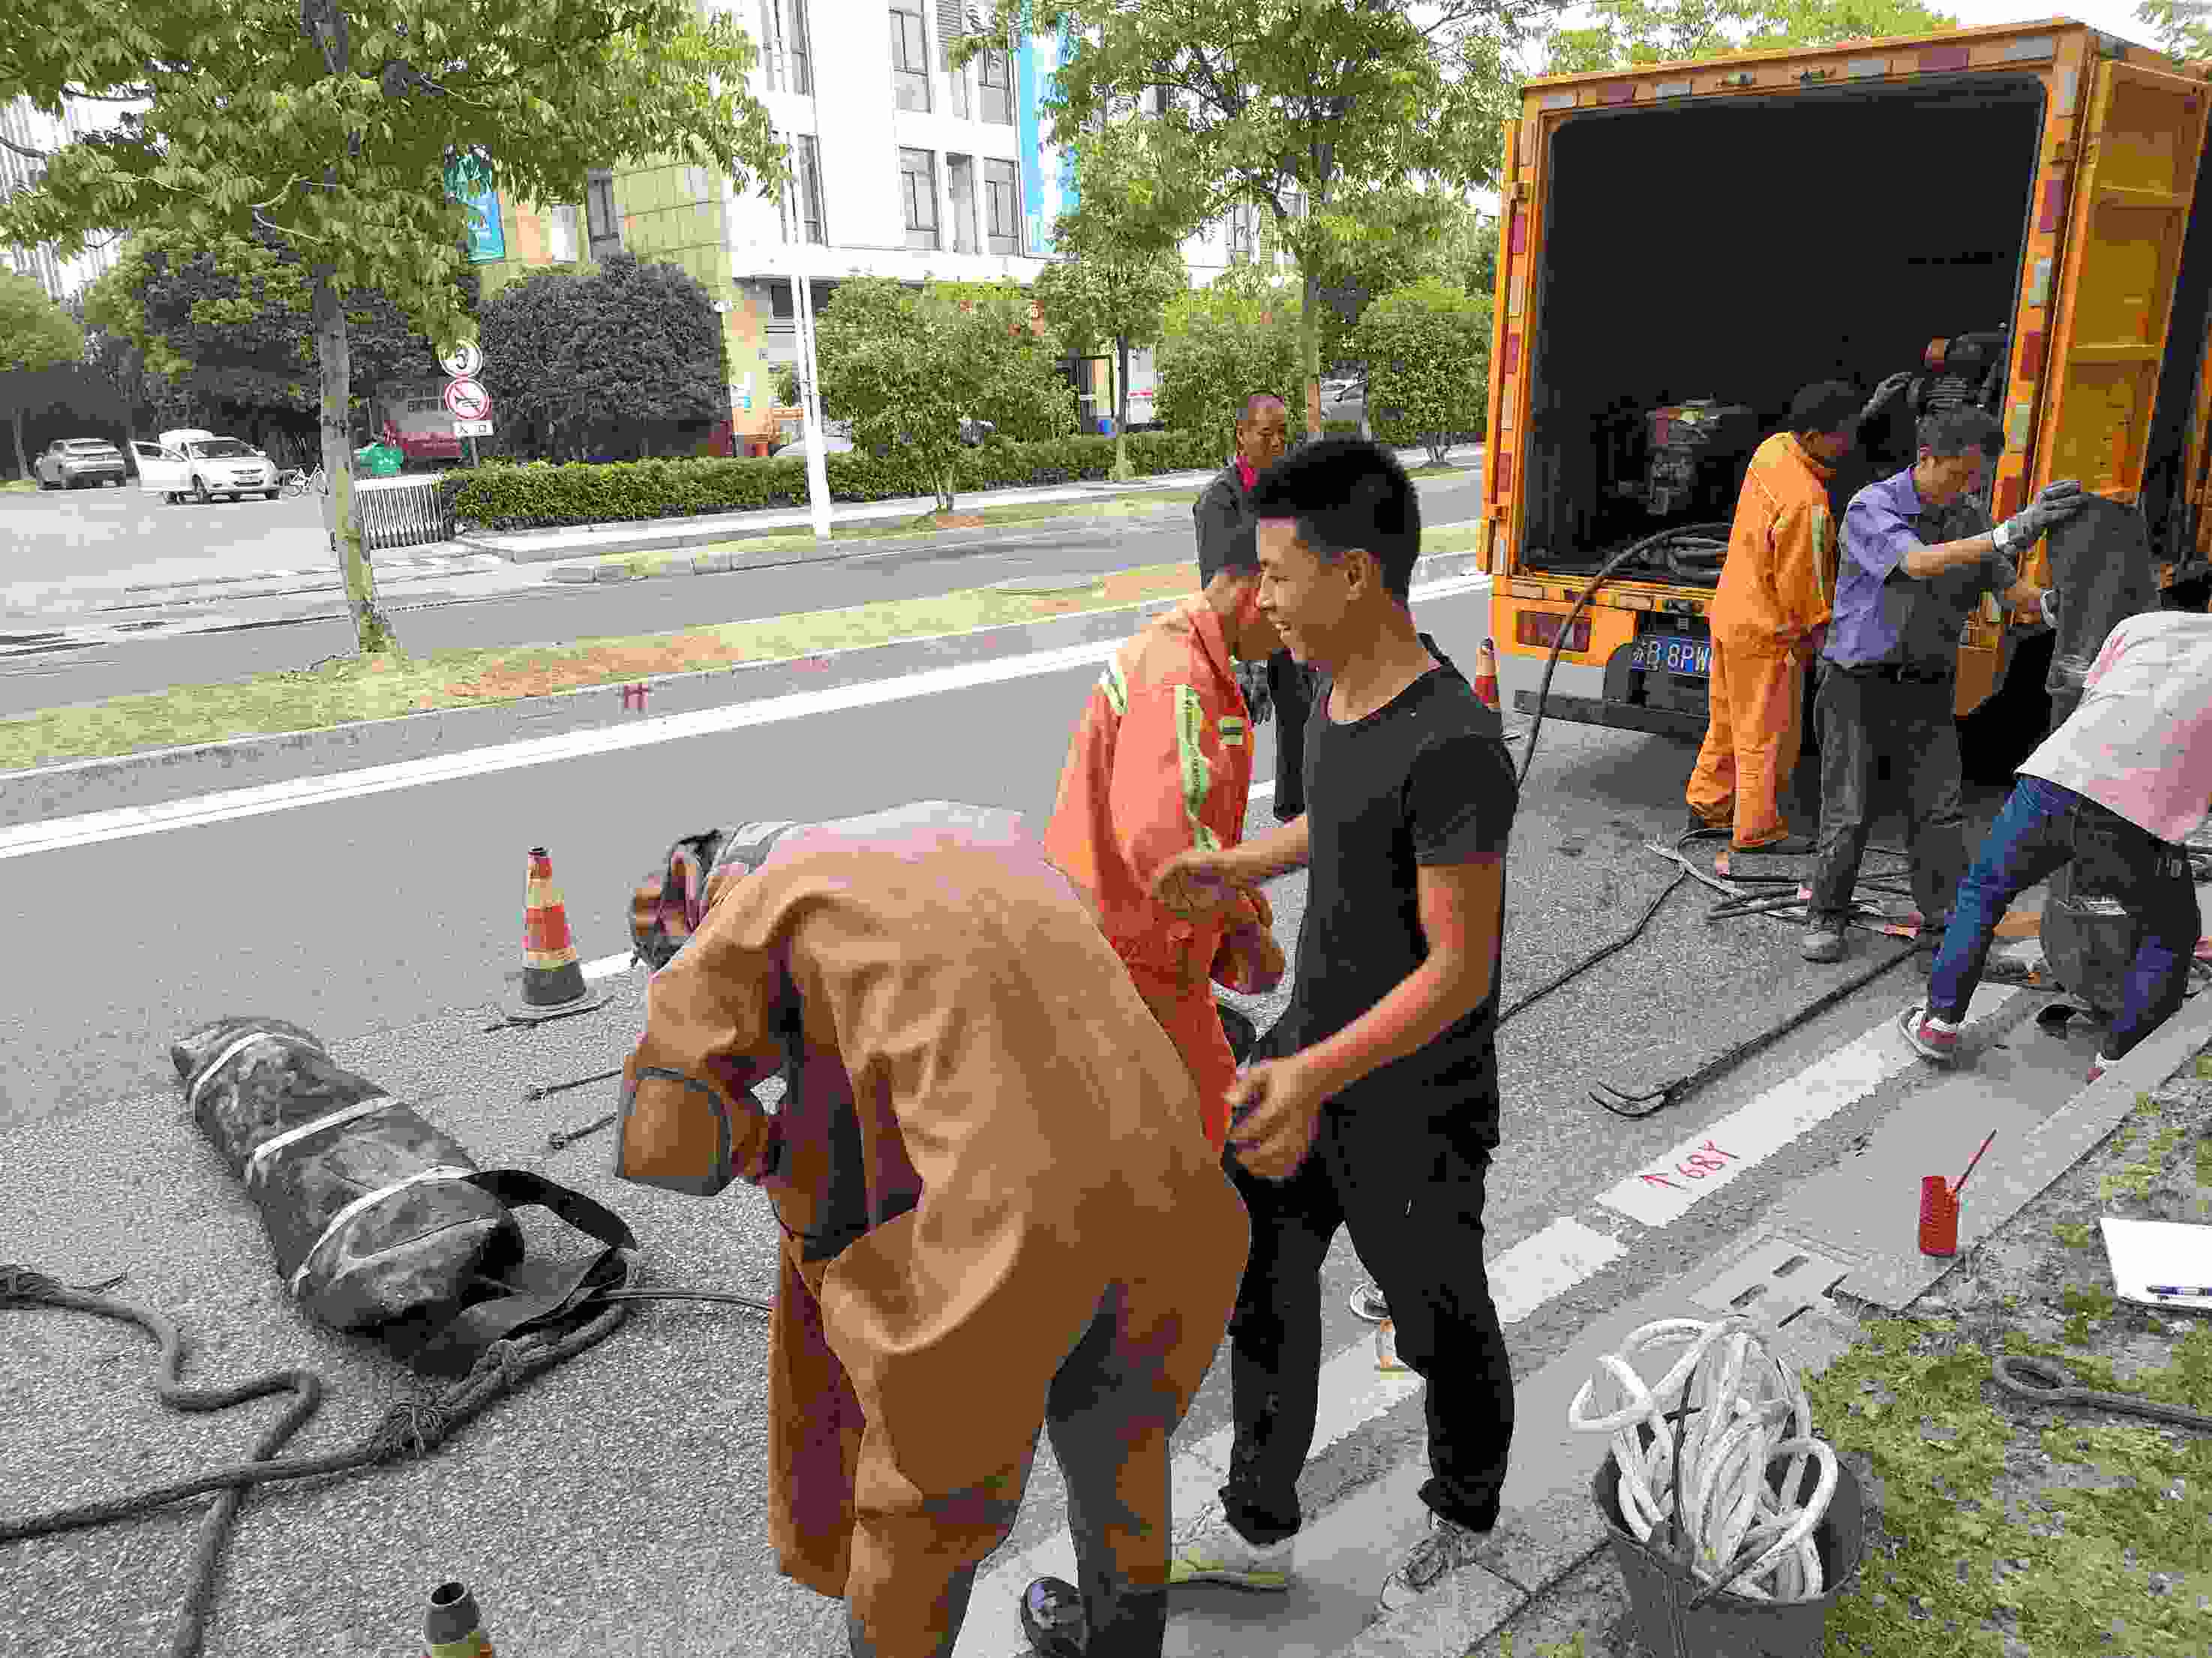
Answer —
1309 350
1123 471
372 628
22 466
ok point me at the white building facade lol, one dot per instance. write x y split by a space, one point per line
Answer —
23 126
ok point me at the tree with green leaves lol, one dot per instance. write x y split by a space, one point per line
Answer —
629 350
342 136
1122 264
1238 335
1427 349
1626 32
35 334
2178 28
910 369
236 321
1315 113
116 358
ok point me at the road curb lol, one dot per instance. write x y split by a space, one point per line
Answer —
1469 1610
38 794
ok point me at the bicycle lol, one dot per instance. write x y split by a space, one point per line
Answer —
297 482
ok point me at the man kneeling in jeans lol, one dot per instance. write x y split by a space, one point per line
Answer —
2115 789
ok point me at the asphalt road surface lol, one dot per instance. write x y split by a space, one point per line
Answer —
59 534
618 1508
559 612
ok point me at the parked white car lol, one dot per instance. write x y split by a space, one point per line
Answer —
189 462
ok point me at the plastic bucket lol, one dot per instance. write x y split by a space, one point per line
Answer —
1730 1626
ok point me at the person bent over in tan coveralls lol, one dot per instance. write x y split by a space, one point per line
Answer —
999 1211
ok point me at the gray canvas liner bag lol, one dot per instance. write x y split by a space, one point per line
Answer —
2102 570
379 1221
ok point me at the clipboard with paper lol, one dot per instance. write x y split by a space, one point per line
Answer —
2157 1263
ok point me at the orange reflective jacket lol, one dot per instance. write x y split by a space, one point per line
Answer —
1162 762
1779 578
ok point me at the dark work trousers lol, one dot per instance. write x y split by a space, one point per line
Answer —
2042 829
1863 718
1291 688
1408 1183
1089 1410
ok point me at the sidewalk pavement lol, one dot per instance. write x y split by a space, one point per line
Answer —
483 564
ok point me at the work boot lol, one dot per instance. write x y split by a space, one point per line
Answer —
1222 1555
1696 823
1823 940
1789 846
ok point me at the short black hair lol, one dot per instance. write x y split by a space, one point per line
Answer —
1347 494
1825 406
1951 432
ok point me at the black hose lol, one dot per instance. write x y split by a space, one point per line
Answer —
1605 571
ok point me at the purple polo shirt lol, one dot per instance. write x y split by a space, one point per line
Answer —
1883 616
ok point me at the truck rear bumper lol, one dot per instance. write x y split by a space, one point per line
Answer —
1622 716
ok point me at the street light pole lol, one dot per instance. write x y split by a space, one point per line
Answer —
810 401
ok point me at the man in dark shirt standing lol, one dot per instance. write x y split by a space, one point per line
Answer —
1377 1109
1917 555
1223 515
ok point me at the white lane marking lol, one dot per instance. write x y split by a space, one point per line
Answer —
124 822
1533 1271
1664 1190
607 966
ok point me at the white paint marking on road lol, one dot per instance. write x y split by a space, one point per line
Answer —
1535 1270
1663 1192
607 966
92 829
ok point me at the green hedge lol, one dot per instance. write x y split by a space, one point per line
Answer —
541 496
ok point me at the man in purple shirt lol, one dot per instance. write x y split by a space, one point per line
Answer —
1917 555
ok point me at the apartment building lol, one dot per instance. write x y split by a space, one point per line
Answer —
27 128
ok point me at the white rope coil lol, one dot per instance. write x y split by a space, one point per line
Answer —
1740 1410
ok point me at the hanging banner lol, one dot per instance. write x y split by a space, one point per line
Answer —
1037 223
468 181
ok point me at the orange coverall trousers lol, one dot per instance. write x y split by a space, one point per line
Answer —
1751 742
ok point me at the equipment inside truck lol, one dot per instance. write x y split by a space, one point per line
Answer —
1728 255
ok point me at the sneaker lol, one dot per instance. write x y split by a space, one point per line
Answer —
1932 1038
1823 942
1447 1548
1222 1555
1367 1303
2099 1068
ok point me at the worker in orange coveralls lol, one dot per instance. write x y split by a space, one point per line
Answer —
1161 762
1769 618
997 1212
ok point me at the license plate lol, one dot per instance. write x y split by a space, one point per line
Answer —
1655 653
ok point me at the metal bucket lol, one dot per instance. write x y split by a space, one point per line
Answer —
2088 942
1659 1590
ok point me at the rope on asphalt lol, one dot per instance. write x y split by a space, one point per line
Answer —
1736 1410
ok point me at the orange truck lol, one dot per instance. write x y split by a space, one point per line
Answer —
2009 213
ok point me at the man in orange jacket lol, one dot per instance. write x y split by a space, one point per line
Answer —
1768 619
1161 762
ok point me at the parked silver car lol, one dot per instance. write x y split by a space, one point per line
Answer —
70 463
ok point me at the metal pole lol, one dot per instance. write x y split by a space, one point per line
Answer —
809 403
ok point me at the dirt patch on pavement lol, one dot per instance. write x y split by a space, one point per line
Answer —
1998 1526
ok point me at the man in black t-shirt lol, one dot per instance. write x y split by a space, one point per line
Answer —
1373 1102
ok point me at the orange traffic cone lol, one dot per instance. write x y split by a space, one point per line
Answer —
553 981
1486 675
453 1627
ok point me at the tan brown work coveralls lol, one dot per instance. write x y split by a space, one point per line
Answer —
1000 1210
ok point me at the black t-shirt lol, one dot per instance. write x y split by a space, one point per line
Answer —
1424 779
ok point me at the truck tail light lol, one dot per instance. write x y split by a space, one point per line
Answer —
1541 628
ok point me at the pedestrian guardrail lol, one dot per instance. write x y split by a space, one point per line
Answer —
401 511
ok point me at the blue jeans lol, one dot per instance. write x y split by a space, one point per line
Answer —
2043 828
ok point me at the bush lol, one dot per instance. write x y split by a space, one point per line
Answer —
1427 349
543 496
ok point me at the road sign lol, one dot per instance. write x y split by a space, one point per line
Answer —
466 399
462 361
471 428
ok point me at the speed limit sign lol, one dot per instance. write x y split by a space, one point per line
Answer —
462 361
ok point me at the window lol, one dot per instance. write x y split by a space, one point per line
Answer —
1242 231
561 234
808 162
918 187
950 28
960 179
770 47
795 44
603 223
780 307
909 61
1004 222
996 77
